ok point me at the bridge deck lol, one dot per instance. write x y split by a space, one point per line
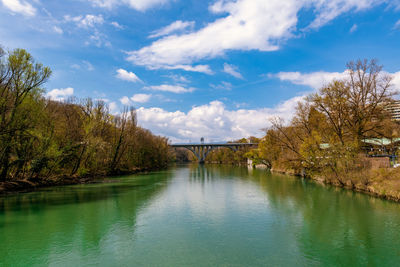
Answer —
213 144
201 150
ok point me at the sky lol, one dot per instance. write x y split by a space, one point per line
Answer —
219 69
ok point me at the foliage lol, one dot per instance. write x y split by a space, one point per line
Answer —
325 137
45 139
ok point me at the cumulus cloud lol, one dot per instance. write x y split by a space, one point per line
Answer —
173 27
248 25
60 94
213 121
177 89
127 76
125 100
396 80
314 80
137 98
141 98
113 107
232 70
319 79
21 7
140 5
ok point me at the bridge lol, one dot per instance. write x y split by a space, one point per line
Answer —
202 150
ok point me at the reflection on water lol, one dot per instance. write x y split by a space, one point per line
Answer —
199 215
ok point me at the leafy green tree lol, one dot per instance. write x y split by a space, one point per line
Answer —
20 81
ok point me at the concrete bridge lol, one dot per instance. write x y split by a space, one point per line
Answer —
202 150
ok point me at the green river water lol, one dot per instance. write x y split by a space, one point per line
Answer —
199 216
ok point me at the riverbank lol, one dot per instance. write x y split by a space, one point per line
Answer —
382 183
24 186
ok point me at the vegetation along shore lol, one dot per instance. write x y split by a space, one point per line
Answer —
45 142
346 134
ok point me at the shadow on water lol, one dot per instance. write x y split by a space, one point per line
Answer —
34 224
78 194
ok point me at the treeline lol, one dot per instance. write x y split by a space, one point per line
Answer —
325 137
228 156
45 139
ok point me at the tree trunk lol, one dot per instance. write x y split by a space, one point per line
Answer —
5 164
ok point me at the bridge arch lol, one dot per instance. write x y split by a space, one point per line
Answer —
202 150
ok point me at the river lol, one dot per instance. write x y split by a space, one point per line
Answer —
199 216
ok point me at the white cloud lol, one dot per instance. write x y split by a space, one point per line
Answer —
328 10
125 100
140 5
127 76
88 21
60 94
397 25
58 30
117 25
213 121
85 64
232 70
88 65
396 81
178 89
18 6
248 25
91 23
173 27
222 86
76 66
353 28
314 80
178 78
113 107
98 39
197 68
318 79
141 98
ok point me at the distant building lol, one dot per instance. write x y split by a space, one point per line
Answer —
394 109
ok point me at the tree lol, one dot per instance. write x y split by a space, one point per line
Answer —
369 91
20 81
355 107
328 128
333 103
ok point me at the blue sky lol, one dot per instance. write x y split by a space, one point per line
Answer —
219 69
